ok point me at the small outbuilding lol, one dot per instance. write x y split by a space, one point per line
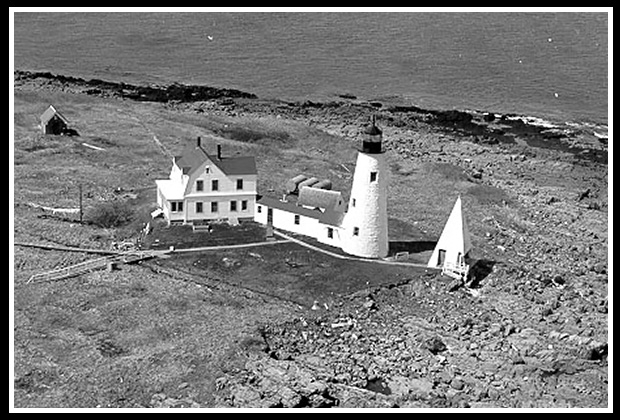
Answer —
451 253
53 122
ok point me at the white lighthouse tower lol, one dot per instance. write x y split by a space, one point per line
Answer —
366 223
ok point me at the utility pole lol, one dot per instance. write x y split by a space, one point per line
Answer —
81 208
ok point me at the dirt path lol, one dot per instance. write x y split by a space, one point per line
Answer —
221 247
159 144
345 257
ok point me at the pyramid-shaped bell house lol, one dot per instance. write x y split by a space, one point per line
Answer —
454 244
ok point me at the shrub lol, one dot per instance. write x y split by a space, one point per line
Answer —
110 214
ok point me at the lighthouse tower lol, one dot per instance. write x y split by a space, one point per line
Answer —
366 223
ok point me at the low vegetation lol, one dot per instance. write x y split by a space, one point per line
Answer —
110 214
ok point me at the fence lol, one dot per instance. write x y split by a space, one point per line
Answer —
92 265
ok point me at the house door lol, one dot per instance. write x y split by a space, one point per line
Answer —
441 257
270 216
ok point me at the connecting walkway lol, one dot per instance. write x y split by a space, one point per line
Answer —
94 265
349 257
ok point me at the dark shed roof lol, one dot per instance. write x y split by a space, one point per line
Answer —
288 206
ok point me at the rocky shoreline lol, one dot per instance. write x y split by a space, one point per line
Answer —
485 127
530 330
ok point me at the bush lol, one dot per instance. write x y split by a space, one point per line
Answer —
110 214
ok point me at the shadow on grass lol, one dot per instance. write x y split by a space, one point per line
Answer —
412 247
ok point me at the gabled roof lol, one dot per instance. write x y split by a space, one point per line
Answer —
239 165
289 207
331 217
49 113
193 156
317 197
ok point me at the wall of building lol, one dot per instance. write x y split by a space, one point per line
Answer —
367 209
260 213
322 236
285 220
223 208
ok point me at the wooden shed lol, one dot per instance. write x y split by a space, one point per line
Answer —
53 122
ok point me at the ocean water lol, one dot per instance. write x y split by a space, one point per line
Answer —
551 66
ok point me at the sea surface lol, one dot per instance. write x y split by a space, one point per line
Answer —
551 66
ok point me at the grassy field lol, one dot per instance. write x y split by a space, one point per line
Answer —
119 338
161 333
171 327
291 272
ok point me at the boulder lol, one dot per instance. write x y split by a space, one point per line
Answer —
457 383
435 345
595 350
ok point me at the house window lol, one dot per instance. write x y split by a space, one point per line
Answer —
356 231
176 206
198 207
296 219
240 184
260 209
215 185
207 170
373 176
353 202
244 205
330 233
213 206
233 205
200 185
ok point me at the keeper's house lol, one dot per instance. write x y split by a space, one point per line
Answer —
206 187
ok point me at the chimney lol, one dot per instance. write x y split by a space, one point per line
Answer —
219 152
198 142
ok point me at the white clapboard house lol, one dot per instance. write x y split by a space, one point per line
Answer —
204 187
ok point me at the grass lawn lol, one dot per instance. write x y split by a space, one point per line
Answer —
291 271
164 236
117 339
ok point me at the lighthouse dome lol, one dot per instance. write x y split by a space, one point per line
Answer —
372 138
372 130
